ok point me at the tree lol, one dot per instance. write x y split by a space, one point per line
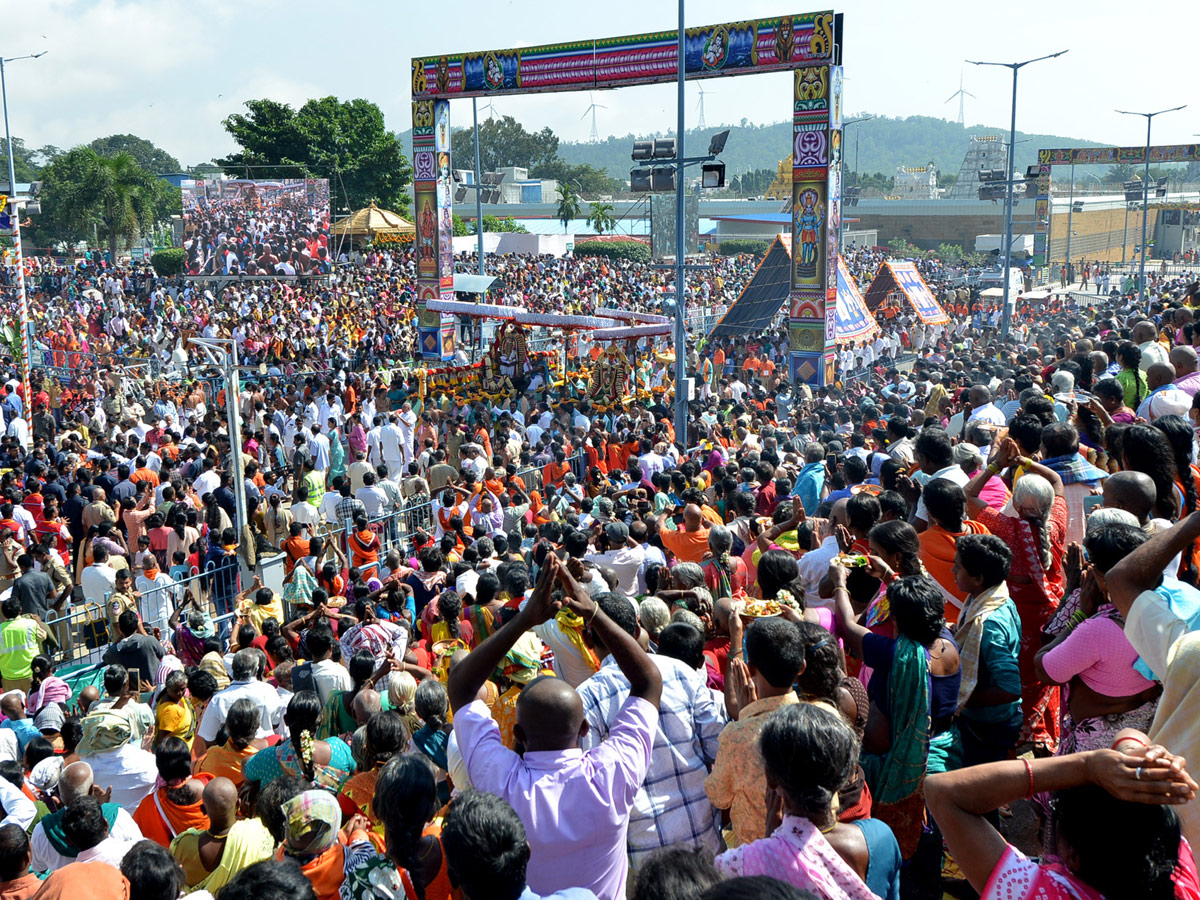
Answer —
504 142
114 194
344 141
588 180
506 225
149 157
1119 174
25 162
601 217
568 206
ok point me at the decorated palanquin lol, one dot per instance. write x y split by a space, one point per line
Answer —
608 384
509 367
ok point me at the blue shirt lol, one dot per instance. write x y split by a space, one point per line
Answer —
25 730
808 487
1184 601
999 646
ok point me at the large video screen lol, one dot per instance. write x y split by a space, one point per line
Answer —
256 227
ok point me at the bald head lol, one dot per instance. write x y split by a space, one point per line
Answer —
1159 374
12 706
220 804
1099 362
1144 331
692 517
980 396
75 781
87 697
549 715
366 704
1184 359
1131 491
837 514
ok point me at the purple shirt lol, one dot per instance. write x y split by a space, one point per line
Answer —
1189 384
575 805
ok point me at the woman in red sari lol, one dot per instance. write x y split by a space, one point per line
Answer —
1037 537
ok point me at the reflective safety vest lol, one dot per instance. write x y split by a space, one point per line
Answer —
19 644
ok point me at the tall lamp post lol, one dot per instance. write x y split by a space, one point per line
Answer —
26 337
681 400
846 124
1070 214
1016 67
1146 192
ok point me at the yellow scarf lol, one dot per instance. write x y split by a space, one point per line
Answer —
572 629
969 635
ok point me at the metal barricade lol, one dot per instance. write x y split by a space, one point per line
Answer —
83 632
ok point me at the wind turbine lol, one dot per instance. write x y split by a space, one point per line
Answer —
700 119
595 136
490 108
960 94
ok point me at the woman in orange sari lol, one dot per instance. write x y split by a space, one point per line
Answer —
364 547
386 736
228 759
175 806
414 866
312 821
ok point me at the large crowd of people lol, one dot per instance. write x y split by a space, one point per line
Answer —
832 642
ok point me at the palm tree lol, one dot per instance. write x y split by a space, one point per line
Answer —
1120 173
601 217
115 193
568 205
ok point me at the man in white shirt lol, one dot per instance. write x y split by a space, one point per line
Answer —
99 579
814 565
208 480
75 781
617 551
329 676
982 407
391 444
246 669
934 454
1145 335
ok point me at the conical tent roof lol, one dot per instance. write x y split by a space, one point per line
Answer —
370 221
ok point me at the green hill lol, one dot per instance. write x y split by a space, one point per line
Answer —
883 144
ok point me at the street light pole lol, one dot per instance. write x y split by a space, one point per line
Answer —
842 163
478 194
681 400
1125 233
1070 213
26 327
1146 192
1006 239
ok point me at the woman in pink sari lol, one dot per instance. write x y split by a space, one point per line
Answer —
1117 835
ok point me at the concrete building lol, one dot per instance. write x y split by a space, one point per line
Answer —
916 182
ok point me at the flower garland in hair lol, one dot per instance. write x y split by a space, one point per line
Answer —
784 597
306 747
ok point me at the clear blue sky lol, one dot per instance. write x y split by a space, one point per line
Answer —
170 71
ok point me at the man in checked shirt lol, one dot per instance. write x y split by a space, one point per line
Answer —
671 808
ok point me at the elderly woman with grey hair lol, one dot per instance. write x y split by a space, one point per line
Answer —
1037 537
724 574
654 616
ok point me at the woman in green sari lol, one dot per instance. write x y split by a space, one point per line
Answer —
337 452
337 716
913 689
323 763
